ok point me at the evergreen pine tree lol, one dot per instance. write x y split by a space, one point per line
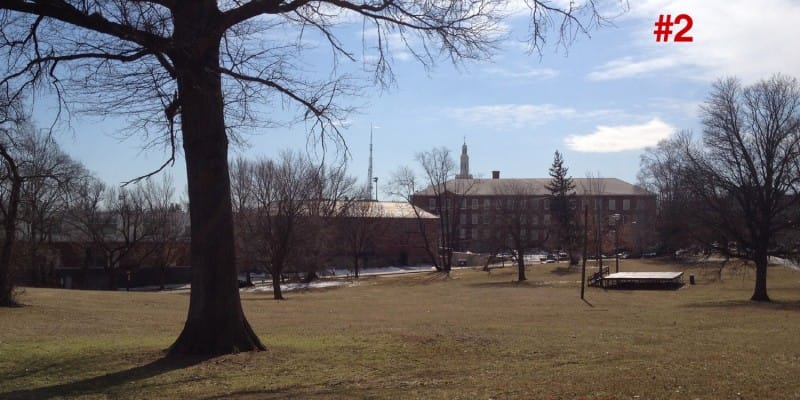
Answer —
562 197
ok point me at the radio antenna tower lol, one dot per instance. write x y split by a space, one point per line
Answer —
369 171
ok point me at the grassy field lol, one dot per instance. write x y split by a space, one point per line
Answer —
473 335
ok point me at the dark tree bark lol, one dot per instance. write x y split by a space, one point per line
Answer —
521 268
760 290
10 231
216 323
277 294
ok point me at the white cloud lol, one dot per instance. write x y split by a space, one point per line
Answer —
749 39
522 73
611 139
628 67
511 116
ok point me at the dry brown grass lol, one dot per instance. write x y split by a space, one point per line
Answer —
470 336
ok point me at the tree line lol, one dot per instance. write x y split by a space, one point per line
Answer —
49 199
733 189
295 213
289 213
516 207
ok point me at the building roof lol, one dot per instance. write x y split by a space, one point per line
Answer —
537 187
387 209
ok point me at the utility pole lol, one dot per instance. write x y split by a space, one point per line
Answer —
369 171
585 244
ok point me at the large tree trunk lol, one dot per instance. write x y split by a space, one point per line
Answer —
216 323
760 292
10 229
521 267
276 284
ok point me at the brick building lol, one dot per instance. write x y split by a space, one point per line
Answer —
472 210
475 210
391 233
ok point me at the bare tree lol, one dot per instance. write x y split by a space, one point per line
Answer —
597 224
333 191
450 195
12 125
661 173
361 226
244 202
282 193
117 222
205 63
404 184
50 176
165 224
745 173
517 216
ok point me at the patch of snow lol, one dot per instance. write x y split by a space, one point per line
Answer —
288 287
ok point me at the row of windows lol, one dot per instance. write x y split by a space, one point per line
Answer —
476 234
498 203
477 219
543 203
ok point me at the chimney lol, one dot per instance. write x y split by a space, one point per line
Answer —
495 174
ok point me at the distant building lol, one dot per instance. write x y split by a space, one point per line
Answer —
472 207
396 235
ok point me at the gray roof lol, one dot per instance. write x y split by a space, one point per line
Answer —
536 187
387 209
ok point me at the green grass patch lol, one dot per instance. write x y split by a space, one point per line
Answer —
471 335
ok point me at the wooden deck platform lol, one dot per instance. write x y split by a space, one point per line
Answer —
642 278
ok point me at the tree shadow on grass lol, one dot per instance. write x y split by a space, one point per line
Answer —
509 284
100 384
282 393
748 304
568 270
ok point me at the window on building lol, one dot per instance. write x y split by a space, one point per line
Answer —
486 219
432 204
463 203
535 220
612 204
547 219
462 233
474 219
474 204
474 233
487 203
462 219
640 204
626 204
547 204
534 234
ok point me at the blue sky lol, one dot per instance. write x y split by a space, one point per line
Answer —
600 102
